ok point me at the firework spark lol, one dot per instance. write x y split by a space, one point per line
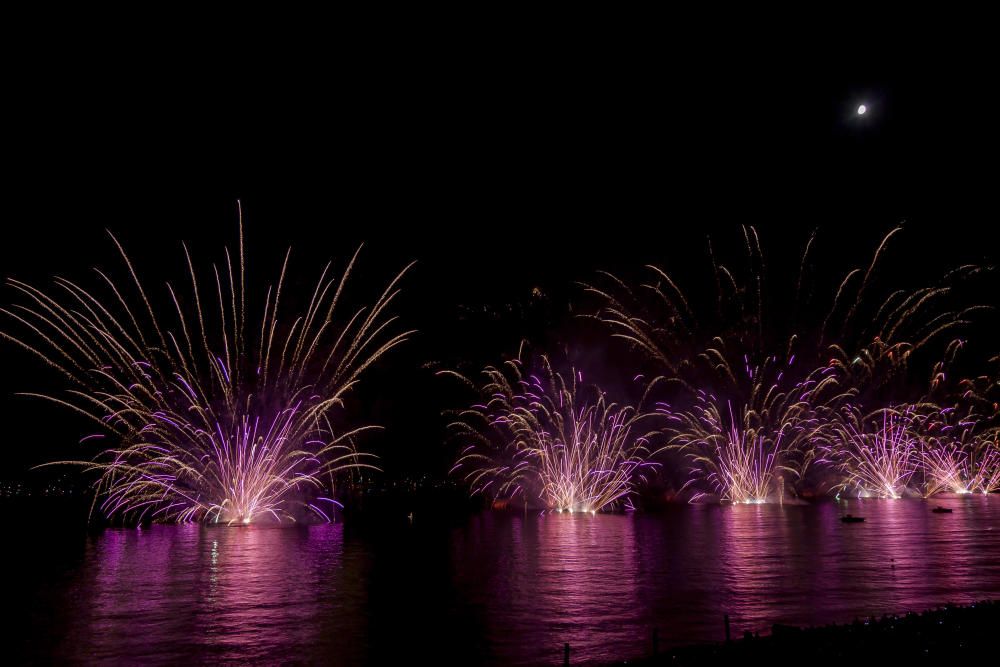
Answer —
660 319
211 417
745 458
550 441
944 468
782 366
957 458
953 424
983 464
879 453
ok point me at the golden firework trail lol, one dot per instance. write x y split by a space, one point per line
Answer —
758 390
550 441
210 416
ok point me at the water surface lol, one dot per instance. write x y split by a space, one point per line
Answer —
493 589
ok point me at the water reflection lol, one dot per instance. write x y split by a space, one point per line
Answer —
497 588
171 592
566 578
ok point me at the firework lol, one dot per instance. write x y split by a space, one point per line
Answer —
983 464
749 457
879 453
944 468
983 459
209 416
783 368
945 443
954 427
959 460
740 464
735 328
545 440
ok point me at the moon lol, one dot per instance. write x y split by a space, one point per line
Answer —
862 109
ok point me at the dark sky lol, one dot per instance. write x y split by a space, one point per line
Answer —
497 172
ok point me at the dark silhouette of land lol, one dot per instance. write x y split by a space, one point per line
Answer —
947 635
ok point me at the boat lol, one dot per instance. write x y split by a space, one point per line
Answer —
941 510
850 518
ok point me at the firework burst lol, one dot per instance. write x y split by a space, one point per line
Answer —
782 367
879 453
549 441
983 460
211 417
738 462
983 464
751 456
956 456
945 468
954 424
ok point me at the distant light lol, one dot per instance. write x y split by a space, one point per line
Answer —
862 109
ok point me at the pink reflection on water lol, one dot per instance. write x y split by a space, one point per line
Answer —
559 578
802 565
502 588
168 592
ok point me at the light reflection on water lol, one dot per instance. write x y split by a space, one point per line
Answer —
498 588
170 592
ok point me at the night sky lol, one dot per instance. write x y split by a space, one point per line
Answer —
507 177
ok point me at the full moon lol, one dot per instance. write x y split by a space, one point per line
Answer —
862 109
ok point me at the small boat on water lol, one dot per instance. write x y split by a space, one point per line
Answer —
941 510
850 518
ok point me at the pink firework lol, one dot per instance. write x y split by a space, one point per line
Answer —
550 442
737 460
210 415
879 453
